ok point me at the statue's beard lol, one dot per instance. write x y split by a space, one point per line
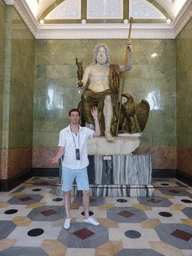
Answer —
101 60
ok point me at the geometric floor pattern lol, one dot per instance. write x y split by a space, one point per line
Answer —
32 217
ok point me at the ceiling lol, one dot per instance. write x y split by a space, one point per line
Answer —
67 19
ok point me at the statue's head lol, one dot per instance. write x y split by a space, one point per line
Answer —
101 54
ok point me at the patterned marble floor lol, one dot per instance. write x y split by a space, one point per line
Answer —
32 217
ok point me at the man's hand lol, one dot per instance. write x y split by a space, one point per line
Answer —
54 160
129 45
60 153
94 112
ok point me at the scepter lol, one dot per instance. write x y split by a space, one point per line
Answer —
123 81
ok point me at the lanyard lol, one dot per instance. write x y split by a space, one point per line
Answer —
77 137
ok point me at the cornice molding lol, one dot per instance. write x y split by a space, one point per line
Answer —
104 30
24 11
183 17
9 2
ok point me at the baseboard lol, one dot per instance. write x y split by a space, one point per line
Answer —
46 172
7 185
163 173
184 177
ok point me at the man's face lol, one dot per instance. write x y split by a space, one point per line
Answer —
101 56
74 117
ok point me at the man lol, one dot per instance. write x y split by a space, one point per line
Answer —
103 90
72 144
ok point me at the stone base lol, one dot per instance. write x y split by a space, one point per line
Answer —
118 190
122 145
134 169
119 175
113 191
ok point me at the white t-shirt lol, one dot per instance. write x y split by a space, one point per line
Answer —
70 142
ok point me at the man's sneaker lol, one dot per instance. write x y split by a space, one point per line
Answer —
67 223
92 221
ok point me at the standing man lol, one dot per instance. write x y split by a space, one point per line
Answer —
72 144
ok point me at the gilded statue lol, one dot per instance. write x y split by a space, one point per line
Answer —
102 90
101 81
79 72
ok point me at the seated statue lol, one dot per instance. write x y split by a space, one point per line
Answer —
102 90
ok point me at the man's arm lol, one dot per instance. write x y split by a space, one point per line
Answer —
59 154
97 131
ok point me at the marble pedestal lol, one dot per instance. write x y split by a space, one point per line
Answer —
119 175
115 171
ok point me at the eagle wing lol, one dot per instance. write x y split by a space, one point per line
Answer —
142 112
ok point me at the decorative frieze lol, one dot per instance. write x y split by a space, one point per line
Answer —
105 9
142 9
69 9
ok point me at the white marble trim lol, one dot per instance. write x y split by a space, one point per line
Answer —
9 2
105 31
102 31
183 17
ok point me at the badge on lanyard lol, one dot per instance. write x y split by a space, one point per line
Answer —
77 154
77 151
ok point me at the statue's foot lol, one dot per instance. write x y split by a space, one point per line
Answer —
109 137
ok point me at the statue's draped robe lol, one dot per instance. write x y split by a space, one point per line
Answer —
90 99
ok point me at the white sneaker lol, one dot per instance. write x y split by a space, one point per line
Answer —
67 223
92 221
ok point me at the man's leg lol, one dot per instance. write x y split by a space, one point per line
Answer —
88 219
67 203
68 177
108 114
86 194
83 184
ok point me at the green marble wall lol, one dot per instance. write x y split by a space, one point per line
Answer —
18 83
22 82
184 87
2 60
56 92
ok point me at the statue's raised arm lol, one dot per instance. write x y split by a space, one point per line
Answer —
130 60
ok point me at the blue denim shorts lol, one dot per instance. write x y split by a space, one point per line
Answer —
68 176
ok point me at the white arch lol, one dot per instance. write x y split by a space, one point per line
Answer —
172 7
42 6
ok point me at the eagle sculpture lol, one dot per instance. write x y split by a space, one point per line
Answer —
133 115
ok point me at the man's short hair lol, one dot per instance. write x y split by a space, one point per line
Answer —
74 110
